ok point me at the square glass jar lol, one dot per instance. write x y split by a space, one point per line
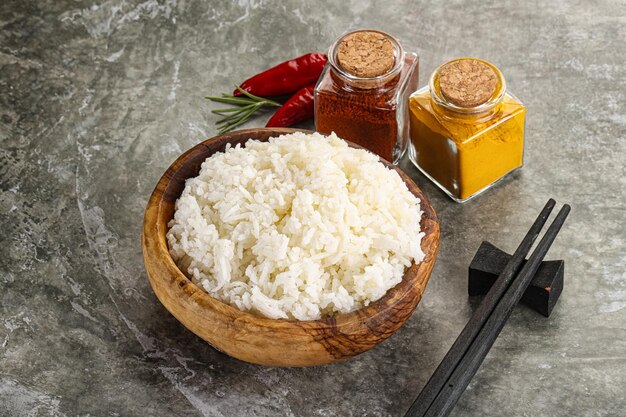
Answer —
465 151
371 112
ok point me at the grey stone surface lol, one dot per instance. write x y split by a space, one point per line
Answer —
97 98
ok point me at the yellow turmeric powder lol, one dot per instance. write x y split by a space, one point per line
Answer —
467 132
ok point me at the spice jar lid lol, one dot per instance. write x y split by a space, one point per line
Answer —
467 85
366 58
366 54
467 82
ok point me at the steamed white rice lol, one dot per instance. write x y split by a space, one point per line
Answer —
299 227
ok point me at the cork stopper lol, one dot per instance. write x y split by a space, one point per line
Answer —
366 54
467 82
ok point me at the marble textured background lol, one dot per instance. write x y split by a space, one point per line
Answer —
97 98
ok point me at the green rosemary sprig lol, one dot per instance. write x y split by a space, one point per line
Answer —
246 106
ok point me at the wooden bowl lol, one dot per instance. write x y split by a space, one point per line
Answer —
261 340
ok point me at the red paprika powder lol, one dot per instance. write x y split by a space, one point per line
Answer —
363 92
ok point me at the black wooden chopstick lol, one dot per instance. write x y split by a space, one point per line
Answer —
478 319
471 361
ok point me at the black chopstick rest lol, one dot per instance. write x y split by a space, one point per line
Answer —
541 295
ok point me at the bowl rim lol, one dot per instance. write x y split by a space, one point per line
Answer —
154 239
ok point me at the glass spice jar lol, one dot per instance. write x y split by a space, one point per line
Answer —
467 131
363 92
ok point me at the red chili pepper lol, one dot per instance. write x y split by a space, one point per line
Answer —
295 110
285 78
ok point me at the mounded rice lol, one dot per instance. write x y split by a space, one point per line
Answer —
299 227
